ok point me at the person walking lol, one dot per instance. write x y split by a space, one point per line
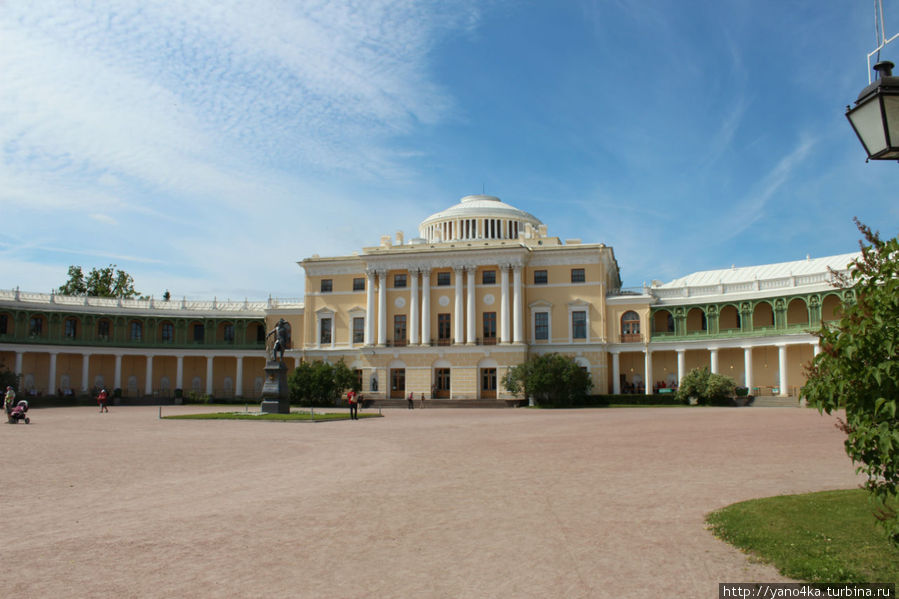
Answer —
411 400
9 400
354 406
103 400
422 404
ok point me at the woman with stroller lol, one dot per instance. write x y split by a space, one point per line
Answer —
9 400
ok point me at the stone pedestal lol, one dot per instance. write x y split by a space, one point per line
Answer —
274 390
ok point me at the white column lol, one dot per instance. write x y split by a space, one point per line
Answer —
179 373
238 378
148 388
782 366
517 321
681 365
85 372
504 304
647 372
369 307
616 374
19 356
51 379
425 307
117 378
470 332
413 310
458 316
209 375
296 361
747 368
382 308
713 360
816 348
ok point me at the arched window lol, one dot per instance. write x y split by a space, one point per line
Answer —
630 327
71 328
662 322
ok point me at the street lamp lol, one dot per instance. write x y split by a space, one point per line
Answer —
875 117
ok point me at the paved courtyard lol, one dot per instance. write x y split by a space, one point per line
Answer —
428 503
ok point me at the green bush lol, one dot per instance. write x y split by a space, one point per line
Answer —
552 380
319 383
707 388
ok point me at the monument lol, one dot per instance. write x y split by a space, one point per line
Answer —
274 389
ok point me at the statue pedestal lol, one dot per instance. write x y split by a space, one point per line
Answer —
274 390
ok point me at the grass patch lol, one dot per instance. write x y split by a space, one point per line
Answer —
830 536
292 417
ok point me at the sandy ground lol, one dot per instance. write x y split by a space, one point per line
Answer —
427 503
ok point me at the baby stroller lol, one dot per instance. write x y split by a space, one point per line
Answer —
18 413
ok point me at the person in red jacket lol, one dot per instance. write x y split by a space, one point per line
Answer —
354 405
103 399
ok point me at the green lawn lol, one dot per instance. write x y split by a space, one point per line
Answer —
831 536
292 417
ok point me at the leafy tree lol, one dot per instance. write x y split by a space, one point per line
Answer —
553 380
100 282
708 388
8 379
319 383
858 370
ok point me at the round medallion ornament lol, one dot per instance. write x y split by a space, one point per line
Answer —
489 299
444 300
399 302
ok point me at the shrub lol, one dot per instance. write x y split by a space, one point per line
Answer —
319 383
553 380
707 388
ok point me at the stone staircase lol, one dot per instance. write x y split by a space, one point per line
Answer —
431 404
773 401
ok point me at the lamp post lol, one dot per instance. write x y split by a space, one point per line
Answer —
875 117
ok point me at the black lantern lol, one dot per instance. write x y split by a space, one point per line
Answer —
875 117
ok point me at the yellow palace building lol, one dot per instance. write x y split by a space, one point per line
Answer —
444 314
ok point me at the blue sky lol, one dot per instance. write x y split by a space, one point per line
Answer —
206 147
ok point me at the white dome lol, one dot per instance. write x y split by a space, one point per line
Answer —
477 217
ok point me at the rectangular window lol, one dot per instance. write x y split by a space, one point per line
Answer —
71 328
199 333
359 330
489 328
399 329
325 336
36 326
103 329
540 277
443 279
229 333
4 323
327 285
579 324
358 374
168 332
359 284
137 330
399 280
260 333
488 277
577 275
443 329
541 325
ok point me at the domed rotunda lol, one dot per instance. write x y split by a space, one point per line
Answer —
479 217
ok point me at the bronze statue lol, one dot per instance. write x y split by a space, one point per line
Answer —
280 334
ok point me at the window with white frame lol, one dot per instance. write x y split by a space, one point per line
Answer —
541 326
578 324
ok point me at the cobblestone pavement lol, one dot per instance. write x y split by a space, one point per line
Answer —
422 503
